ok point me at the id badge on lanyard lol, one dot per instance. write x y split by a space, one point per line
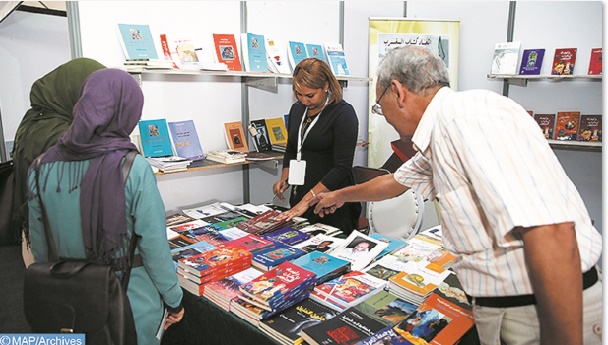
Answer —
297 167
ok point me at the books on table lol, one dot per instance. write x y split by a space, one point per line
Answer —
269 258
320 228
349 327
296 52
595 62
137 42
323 265
226 51
506 56
321 243
222 291
263 223
235 136
359 249
336 59
564 60
531 61
185 140
278 61
155 140
254 52
251 243
347 290
386 308
287 235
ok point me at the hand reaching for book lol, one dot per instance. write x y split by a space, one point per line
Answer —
326 203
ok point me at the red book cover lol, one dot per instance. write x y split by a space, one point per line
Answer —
546 123
226 50
205 263
566 125
595 62
563 61
590 128
251 243
404 149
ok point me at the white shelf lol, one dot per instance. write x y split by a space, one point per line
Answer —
522 80
576 145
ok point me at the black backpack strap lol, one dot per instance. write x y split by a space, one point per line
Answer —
126 169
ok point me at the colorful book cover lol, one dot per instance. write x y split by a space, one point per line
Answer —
347 290
179 241
155 140
531 61
251 243
336 59
386 308
315 51
137 42
228 288
419 280
226 51
590 128
287 235
387 335
546 123
221 217
566 125
204 263
254 52
436 321
347 328
296 53
191 225
564 60
177 218
190 250
595 62
235 136
321 243
386 267
185 140
270 257
423 250
322 265
506 56
277 131
289 323
261 138
263 223
393 244
278 283
275 50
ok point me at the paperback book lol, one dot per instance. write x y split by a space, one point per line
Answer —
590 128
546 122
386 267
347 328
259 134
276 131
392 244
263 223
316 51
137 42
204 210
531 61
595 62
254 52
321 243
359 249
251 243
206 263
224 290
506 55
336 59
566 125
386 308
287 235
273 256
226 51
277 57
177 218
564 60
155 140
296 53
319 228
227 156
323 265
347 290
235 136
185 140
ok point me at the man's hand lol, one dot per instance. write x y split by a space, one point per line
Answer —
174 318
326 203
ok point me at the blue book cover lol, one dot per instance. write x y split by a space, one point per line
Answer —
531 61
315 51
137 41
271 257
321 264
288 236
297 53
185 140
392 243
254 51
155 141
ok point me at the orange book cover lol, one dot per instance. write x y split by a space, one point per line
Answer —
226 51
235 136
566 125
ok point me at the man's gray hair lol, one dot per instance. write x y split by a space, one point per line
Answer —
415 67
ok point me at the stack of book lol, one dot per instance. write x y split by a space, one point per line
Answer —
251 243
269 258
227 156
169 163
349 327
323 265
212 265
287 235
221 292
275 290
264 223
347 290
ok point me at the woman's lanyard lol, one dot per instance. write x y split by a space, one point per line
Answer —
302 136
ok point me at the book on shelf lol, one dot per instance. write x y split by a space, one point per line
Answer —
235 136
595 62
336 58
323 265
506 56
347 290
273 256
259 134
277 57
276 131
564 60
258 156
566 125
148 64
185 140
296 52
287 235
348 328
253 49
251 243
314 50
590 128
386 308
137 42
321 243
222 291
226 51
155 140
359 249
531 61
206 263
168 164
546 122
286 327
226 156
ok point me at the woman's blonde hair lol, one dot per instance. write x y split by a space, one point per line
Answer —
313 73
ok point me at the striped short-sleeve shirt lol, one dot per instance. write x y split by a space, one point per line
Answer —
484 159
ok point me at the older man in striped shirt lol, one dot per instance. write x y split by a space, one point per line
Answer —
526 250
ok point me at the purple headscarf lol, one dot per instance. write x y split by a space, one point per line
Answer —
108 110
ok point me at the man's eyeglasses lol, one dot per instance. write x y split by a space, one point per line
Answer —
377 108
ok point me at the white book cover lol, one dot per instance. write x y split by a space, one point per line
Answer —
506 57
320 242
204 211
277 57
359 249
336 59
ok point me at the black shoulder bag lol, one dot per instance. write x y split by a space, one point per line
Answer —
78 296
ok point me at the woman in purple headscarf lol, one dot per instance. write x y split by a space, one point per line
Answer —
93 214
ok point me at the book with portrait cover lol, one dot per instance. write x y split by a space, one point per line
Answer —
137 42
359 249
546 123
564 60
590 128
226 51
316 51
235 136
261 140
321 243
506 56
347 328
254 52
296 52
595 62
531 61
185 140
155 140
566 125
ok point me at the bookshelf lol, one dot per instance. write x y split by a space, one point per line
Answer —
206 164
